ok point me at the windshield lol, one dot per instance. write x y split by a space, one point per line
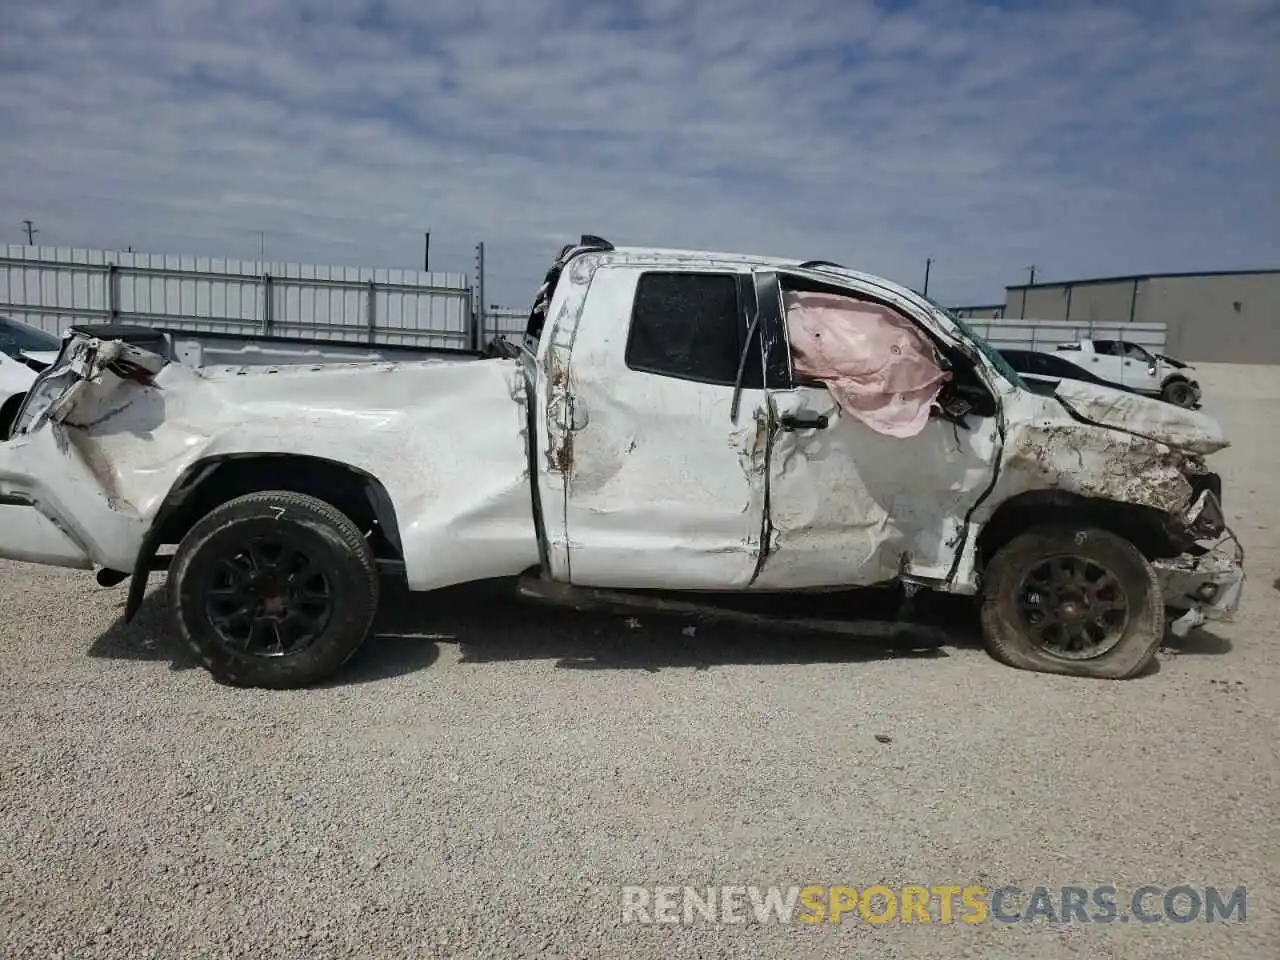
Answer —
988 351
16 337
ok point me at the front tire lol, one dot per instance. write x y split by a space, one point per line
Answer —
1179 393
1072 600
274 590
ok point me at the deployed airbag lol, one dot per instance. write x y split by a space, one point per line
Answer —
877 365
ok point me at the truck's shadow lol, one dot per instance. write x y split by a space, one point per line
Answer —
151 636
489 624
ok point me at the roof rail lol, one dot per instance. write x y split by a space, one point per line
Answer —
819 264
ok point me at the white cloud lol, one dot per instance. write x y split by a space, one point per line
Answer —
1086 138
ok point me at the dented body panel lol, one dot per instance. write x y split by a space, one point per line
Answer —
446 441
851 505
654 486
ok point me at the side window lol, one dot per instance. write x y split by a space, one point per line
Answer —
1135 352
1057 367
687 325
1106 347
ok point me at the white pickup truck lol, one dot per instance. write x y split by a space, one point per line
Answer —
1133 367
660 433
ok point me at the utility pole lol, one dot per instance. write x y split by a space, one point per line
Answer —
477 332
927 264
1032 270
426 251
31 232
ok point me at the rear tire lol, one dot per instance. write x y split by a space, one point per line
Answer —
274 590
1072 600
1179 393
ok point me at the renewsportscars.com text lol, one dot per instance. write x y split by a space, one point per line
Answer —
941 903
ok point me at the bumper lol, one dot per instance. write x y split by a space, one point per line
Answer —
54 510
1204 586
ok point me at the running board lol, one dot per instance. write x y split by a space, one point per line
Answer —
597 599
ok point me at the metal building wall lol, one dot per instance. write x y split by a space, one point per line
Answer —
1213 318
989 312
52 288
1102 302
1225 319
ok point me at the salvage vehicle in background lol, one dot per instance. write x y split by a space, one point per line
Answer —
1131 366
674 424
1043 371
24 351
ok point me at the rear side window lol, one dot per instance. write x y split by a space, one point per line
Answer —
687 325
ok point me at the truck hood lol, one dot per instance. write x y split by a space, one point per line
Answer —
1146 417
1176 364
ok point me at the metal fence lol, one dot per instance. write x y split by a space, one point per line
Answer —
51 288
505 321
1046 334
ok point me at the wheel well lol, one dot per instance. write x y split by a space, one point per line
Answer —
208 484
9 413
1145 527
1175 378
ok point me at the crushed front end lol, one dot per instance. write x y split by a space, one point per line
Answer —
1204 581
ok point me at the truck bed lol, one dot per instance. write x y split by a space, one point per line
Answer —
205 349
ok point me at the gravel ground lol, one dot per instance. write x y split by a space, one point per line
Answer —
483 790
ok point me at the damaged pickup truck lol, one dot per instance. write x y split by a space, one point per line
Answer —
673 422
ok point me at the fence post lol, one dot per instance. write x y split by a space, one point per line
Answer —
478 314
113 293
372 308
268 301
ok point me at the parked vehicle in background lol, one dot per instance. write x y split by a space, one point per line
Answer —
24 352
1133 367
1043 371
674 423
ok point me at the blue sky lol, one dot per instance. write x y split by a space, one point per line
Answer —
1087 138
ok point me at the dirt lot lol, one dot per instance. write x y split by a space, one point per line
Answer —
487 791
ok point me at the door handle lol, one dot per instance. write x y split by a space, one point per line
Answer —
810 421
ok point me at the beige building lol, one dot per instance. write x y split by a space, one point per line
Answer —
1228 317
986 311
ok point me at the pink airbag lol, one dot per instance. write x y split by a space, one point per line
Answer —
877 365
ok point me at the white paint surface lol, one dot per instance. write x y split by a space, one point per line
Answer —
643 480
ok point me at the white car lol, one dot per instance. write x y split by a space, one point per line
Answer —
24 352
1131 366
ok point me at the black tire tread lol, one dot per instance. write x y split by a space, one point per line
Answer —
225 670
1126 660
1170 389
